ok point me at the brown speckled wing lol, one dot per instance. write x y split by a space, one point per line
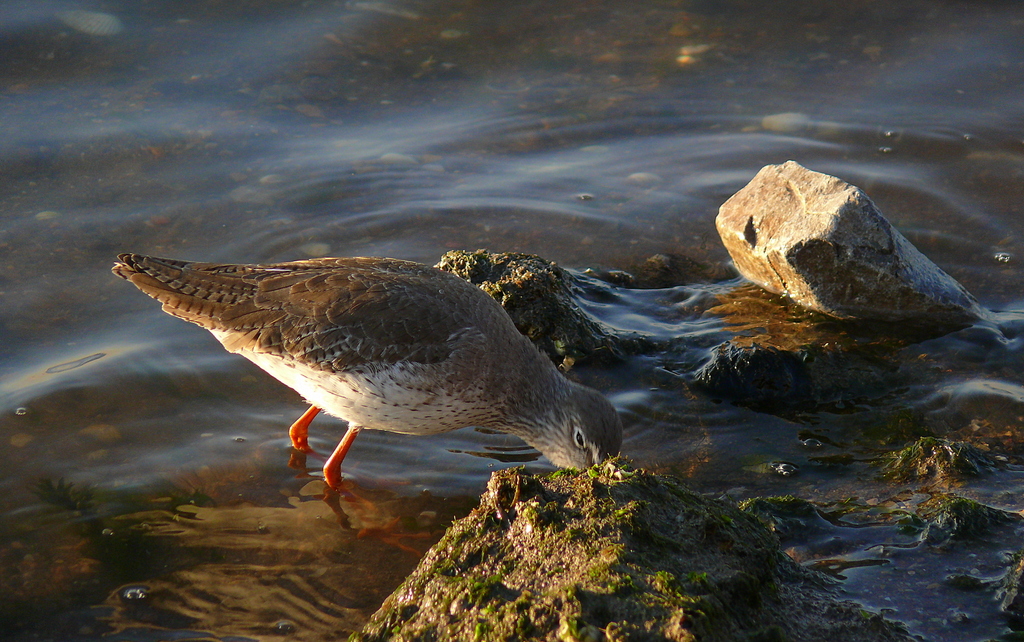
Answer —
332 314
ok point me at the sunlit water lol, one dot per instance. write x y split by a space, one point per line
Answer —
595 134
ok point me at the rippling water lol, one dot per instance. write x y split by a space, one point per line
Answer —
145 478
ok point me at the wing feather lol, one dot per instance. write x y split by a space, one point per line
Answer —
334 314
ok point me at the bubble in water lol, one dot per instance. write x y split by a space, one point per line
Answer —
284 626
885 150
134 593
811 443
21 412
239 439
783 468
584 197
1003 257
107 532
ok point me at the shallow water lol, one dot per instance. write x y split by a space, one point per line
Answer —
591 133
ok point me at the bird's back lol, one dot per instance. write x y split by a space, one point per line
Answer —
331 314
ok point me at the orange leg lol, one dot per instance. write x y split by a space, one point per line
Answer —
299 432
332 469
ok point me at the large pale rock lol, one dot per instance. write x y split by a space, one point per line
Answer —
823 243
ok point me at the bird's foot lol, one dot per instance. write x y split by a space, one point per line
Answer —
299 431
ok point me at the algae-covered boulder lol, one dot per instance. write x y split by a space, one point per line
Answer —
542 300
952 516
613 554
1012 591
938 461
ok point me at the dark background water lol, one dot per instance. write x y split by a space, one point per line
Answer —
145 491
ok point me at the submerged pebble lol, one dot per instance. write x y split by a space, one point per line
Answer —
787 122
93 23
20 440
315 249
101 432
398 159
643 178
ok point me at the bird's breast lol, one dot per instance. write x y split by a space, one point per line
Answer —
403 397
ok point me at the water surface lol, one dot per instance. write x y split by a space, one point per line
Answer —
146 486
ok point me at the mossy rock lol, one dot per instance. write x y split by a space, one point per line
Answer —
542 299
1011 592
665 271
960 517
785 515
613 554
935 460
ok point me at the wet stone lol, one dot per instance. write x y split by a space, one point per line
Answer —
1012 602
669 270
938 461
614 554
787 516
787 122
952 516
541 299
824 244
754 374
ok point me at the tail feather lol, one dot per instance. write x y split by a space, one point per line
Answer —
196 292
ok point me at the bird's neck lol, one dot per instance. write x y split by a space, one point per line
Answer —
535 396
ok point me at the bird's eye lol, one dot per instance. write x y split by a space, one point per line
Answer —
578 437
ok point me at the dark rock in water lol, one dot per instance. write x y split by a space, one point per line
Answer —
1012 603
785 354
787 516
541 299
614 554
754 374
952 516
936 460
823 243
666 271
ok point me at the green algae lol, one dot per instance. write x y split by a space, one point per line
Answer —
960 517
783 515
935 460
612 554
541 298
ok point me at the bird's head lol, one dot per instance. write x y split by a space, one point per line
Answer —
586 430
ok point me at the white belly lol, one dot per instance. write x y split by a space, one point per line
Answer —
408 398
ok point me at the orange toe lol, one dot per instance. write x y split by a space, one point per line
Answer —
299 431
332 469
